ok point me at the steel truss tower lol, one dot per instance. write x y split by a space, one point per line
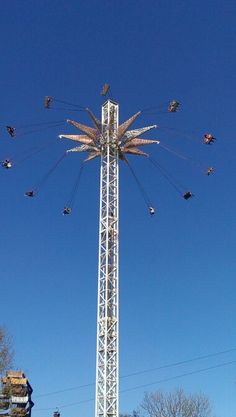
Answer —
107 371
111 142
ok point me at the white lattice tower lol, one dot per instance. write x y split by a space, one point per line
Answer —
111 142
107 378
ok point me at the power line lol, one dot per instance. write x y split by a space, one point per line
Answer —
179 376
211 355
66 405
170 365
160 381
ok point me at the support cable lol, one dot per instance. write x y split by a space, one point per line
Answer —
23 129
74 190
180 155
41 183
159 107
140 187
66 109
157 112
27 132
68 103
110 95
178 187
188 134
19 158
54 122
167 148
33 151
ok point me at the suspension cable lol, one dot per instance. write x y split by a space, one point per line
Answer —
157 112
140 187
159 107
171 150
34 151
74 190
66 109
41 129
188 134
196 163
54 122
68 103
110 95
182 156
178 187
40 184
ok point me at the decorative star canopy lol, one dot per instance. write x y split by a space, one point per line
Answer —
128 141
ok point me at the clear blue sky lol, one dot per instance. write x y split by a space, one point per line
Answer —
177 270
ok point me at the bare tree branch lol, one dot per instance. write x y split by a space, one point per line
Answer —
175 404
6 351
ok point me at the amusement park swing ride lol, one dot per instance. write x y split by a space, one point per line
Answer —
110 141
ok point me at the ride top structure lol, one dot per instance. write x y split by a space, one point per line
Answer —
111 142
